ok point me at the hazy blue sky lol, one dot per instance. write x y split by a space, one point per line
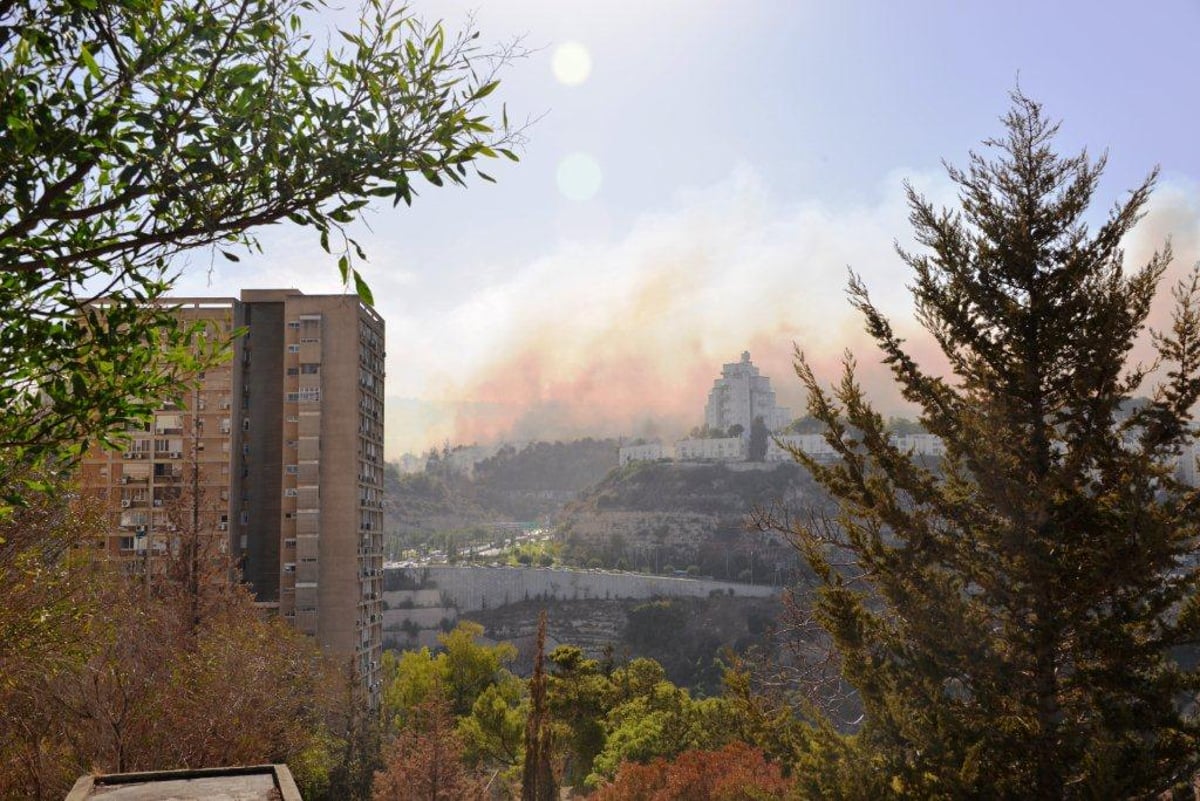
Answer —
704 187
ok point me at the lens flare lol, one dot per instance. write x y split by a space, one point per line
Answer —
572 64
579 176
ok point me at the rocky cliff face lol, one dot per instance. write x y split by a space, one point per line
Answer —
659 515
687 636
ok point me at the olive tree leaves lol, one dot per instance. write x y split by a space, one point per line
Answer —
133 130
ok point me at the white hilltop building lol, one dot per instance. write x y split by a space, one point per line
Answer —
740 395
780 447
922 444
812 444
642 452
725 449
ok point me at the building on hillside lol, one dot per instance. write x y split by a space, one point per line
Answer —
642 452
282 450
920 444
740 395
815 445
811 444
725 449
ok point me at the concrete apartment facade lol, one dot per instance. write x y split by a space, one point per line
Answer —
177 471
286 440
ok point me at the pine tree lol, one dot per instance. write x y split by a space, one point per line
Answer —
1011 617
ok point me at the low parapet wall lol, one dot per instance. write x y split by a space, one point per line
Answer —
474 588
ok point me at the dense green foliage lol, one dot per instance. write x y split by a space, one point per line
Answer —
459 672
132 131
592 717
1007 621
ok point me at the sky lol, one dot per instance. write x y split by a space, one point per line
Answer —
698 178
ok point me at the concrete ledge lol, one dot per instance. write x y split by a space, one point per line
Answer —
238 782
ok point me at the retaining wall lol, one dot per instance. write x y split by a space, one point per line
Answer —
474 588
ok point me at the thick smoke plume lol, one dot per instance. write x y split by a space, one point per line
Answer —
626 338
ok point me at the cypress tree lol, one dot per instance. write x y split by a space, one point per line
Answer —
537 774
1012 617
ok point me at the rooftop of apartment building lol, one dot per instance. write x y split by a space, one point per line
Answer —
246 783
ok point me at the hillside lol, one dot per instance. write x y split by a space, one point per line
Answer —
514 484
661 515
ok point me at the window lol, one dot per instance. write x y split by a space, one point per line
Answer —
293 371
294 324
292 469
305 395
310 369
293 348
291 492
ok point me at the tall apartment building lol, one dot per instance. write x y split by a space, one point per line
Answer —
740 395
284 444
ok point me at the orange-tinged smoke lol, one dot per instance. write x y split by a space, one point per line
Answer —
626 340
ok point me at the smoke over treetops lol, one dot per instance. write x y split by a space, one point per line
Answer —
625 338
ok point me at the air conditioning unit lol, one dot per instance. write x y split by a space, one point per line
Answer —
125 503
124 479
127 455
174 455
222 527
158 501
